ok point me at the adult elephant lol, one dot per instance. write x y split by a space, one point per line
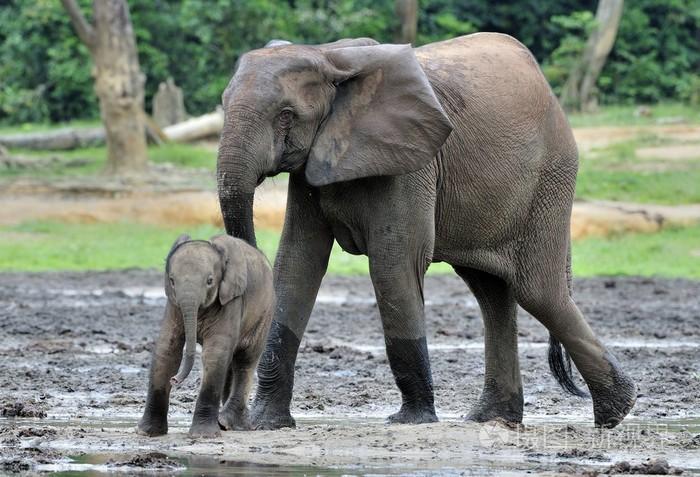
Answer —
453 152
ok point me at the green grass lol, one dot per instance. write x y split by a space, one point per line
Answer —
93 159
43 246
616 173
669 253
624 115
40 127
669 187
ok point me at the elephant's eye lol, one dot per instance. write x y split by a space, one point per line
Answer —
286 117
210 281
172 281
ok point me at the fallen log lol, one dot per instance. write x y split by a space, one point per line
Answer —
73 138
200 127
60 139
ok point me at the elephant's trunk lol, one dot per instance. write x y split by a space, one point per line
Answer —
238 171
189 316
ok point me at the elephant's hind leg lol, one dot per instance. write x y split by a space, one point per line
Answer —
542 290
612 391
502 395
234 414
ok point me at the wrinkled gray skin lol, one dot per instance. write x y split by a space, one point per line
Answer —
453 152
220 294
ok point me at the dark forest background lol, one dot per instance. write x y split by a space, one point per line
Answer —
45 70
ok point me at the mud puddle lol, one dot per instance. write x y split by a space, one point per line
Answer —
358 445
103 464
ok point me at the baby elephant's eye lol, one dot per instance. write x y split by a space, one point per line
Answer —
210 281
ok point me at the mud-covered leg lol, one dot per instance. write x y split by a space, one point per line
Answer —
502 395
399 291
216 359
612 391
164 364
301 262
234 414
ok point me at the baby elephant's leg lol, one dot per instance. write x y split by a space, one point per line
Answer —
234 415
216 359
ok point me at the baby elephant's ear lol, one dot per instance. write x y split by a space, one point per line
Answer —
180 240
168 288
235 278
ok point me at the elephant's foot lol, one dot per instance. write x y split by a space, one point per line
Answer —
265 416
231 420
205 429
493 406
612 402
152 427
413 415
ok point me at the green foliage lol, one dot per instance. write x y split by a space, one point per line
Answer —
45 70
42 246
574 30
656 54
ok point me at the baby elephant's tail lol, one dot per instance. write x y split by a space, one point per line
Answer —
560 366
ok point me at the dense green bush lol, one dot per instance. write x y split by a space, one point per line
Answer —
45 71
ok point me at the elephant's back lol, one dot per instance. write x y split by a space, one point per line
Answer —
508 129
488 73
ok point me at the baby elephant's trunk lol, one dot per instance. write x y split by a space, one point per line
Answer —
189 315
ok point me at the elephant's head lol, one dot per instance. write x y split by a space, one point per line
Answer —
342 111
199 273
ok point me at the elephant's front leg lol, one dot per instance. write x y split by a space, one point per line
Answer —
398 285
301 262
164 364
216 358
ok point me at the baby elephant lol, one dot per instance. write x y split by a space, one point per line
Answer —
220 294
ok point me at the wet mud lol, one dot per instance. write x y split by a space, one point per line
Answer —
74 356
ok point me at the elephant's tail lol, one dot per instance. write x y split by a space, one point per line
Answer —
560 366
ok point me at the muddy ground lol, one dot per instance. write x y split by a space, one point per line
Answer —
74 352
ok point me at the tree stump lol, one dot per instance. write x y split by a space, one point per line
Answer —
168 104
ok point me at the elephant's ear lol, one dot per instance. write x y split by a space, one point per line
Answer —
235 277
384 120
168 288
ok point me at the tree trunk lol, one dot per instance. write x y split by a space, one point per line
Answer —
407 12
119 82
579 91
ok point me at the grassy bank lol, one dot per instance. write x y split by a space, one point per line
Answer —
629 115
91 160
41 246
620 172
